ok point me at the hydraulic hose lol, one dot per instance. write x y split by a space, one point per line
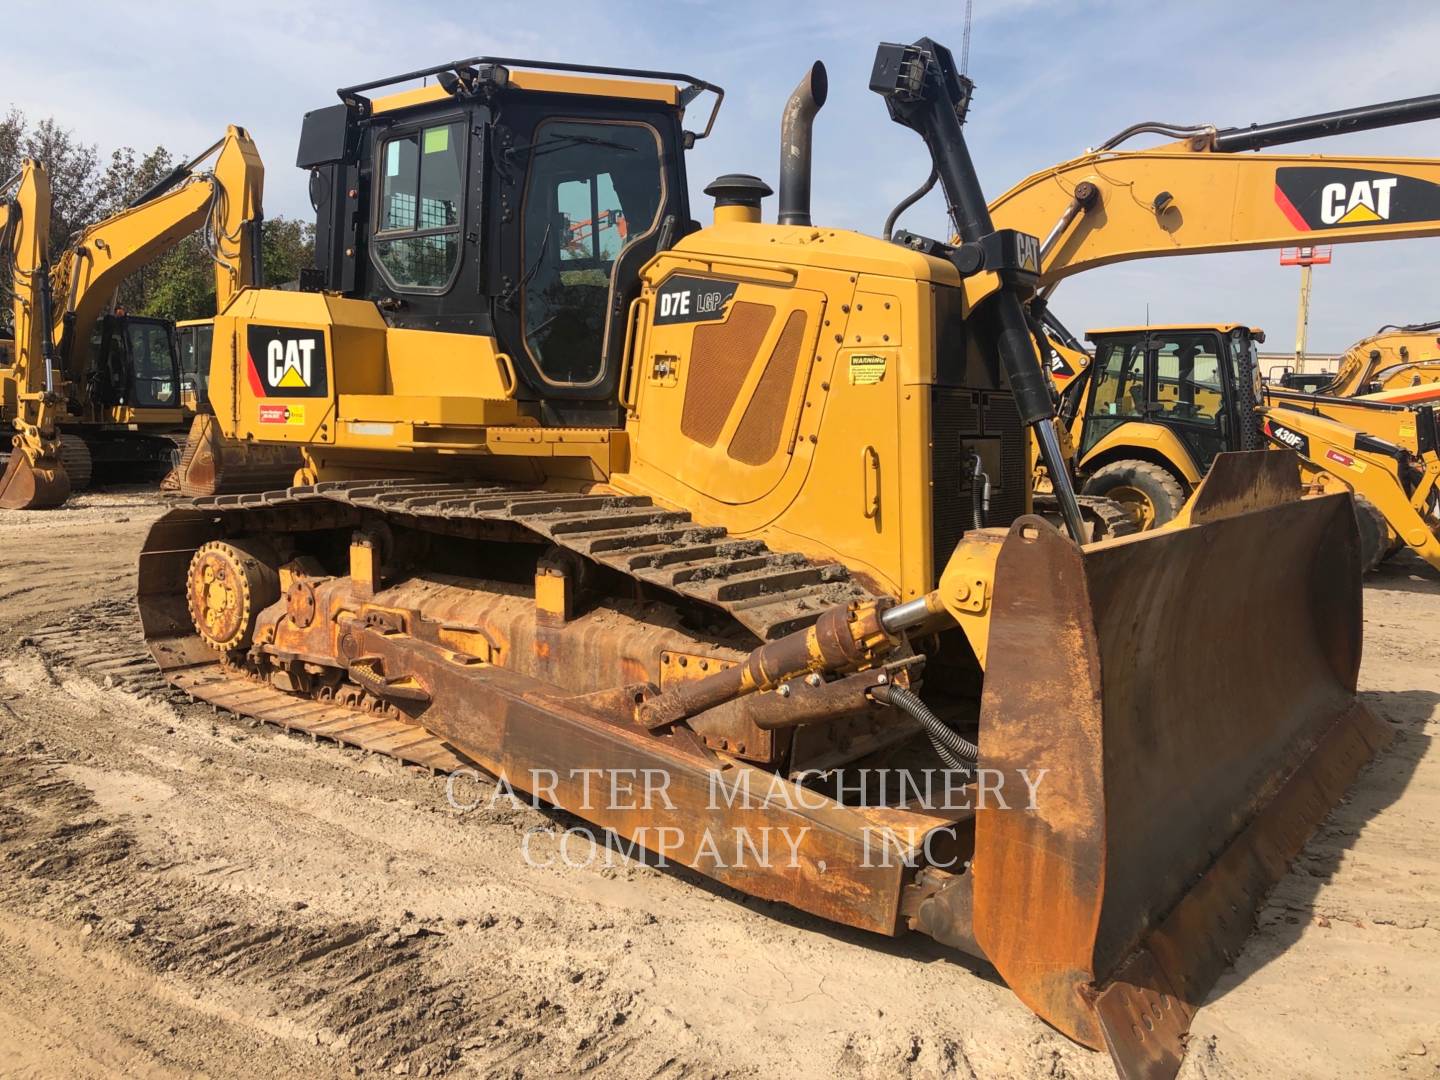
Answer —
979 492
956 751
909 201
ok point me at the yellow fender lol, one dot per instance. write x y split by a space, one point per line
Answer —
1152 438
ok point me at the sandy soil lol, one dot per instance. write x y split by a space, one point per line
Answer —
185 893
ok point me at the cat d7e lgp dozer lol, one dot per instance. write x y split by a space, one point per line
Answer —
593 490
113 381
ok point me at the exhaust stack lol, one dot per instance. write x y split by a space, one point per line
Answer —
796 129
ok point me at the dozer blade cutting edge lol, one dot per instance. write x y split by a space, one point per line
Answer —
1186 698
25 486
1192 693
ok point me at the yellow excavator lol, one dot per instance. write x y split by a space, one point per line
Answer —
1395 364
1205 193
34 474
115 379
742 512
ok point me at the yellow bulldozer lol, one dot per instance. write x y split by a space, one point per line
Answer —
105 388
737 519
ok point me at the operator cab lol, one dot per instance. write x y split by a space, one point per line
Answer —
194 339
510 199
135 363
1200 382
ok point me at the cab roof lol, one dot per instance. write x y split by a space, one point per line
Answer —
489 74
541 81
1223 328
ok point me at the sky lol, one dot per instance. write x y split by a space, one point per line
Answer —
1053 77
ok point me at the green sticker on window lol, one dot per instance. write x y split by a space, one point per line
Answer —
437 140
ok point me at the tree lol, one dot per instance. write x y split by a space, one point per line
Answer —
179 284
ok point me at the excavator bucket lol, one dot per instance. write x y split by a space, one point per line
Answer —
26 486
211 464
1187 697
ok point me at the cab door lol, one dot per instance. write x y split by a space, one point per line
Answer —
1189 395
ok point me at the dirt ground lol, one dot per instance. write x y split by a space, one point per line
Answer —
186 893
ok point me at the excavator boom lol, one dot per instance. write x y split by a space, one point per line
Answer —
125 406
1202 195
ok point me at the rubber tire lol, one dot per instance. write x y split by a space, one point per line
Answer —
75 456
1374 533
1157 485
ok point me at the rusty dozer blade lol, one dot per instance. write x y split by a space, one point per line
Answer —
28 486
211 464
1190 694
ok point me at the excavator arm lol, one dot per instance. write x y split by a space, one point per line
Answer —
225 200
1201 194
33 477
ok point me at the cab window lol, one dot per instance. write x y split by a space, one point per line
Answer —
591 189
152 363
417 228
1119 379
1187 378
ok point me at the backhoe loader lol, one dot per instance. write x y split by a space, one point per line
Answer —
701 509
1149 416
115 378
1204 194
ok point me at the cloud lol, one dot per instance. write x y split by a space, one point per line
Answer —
1053 76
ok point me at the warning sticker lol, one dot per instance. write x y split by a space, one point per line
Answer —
866 369
1346 460
282 414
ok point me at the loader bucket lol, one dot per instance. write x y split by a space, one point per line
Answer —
26 486
211 464
1191 694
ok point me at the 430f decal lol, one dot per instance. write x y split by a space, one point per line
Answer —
1284 436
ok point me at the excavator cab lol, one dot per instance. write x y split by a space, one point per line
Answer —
135 363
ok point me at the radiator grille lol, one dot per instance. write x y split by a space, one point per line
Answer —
721 356
962 418
758 436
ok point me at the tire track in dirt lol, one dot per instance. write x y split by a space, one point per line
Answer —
366 992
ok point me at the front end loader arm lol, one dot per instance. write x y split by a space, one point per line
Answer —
34 478
226 200
1199 195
